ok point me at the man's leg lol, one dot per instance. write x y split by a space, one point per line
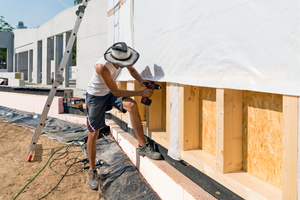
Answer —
136 122
143 149
92 148
95 120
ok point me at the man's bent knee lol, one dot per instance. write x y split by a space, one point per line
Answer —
130 105
93 134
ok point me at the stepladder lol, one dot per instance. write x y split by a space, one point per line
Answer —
58 80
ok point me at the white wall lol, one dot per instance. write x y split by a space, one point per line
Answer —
63 22
24 39
91 38
91 41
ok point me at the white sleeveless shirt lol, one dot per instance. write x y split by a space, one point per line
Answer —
96 85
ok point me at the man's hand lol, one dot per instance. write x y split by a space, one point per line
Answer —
147 92
144 82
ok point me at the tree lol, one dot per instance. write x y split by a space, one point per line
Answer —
3 56
4 26
76 2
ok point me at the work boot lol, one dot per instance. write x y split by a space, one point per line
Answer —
146 150
93 179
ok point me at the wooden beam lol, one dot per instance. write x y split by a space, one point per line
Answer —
241 183
189 122
290 148
229 130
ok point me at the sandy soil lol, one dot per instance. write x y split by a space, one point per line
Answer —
16 171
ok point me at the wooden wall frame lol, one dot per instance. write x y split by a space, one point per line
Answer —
229 130
189 138
290 147
156 115
226 166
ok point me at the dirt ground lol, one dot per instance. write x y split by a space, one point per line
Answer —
16 171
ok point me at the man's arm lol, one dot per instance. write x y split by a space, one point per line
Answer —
104 72
137 76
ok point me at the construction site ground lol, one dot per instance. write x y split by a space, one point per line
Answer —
16 171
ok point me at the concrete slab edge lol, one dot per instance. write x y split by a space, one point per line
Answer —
166 181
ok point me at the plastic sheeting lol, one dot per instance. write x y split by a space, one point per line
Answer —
54 128
173 150
121 27
120 22
121 180
248 45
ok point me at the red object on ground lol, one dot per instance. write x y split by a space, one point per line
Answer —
30 157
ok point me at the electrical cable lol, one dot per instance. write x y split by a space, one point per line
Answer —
69 166
45 165
63 175
60 157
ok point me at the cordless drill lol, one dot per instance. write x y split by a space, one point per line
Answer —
153 86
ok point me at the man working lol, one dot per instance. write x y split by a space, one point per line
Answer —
103 93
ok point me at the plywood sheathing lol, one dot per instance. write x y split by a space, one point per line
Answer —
208 120
122 85
141 107
157 110
262 136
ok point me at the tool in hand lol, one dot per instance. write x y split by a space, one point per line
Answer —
153 86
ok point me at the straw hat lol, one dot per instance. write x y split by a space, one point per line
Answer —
122 55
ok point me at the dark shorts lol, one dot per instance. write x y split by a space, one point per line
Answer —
96 107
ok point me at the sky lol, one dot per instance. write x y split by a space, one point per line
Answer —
33 13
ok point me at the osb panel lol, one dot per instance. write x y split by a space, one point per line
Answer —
208 120
122 85
141 107
157 109
262 136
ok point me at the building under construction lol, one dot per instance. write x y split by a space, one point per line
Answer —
230 77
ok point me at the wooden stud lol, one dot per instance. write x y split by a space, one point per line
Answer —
189 123
229 130
290 148
156 115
